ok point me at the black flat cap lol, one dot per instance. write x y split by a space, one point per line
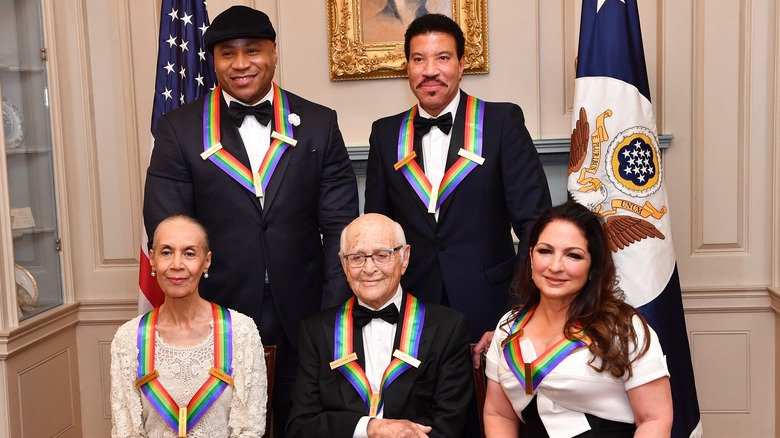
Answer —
239 22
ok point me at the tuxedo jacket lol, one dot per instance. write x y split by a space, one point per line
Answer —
436 394
294 236
469 254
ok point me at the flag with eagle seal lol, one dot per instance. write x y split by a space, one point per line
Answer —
615 170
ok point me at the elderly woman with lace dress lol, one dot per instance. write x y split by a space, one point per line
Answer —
189 368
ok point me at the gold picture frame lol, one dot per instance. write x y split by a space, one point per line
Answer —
357 51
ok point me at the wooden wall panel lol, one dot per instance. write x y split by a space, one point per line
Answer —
46 401
726 388
733 358
95 137
99 320
722 106
111 156
43 381
719 164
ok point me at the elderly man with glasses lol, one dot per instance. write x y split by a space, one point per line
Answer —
368 370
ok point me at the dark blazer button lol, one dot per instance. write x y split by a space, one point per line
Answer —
264 226
442 247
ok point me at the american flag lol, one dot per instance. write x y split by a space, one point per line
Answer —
184 72
615 169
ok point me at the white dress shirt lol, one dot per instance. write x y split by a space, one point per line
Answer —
436 144
256 137
378 337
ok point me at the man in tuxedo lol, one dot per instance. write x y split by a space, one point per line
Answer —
486 176
346 350
268 175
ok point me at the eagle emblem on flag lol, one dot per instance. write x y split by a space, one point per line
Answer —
631 165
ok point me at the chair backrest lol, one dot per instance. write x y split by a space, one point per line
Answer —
480 388
270 362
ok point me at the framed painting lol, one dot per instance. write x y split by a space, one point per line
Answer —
366 37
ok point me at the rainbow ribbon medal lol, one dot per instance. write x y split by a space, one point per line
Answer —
183 419
404 357
530 375
213 150
281 140
470 156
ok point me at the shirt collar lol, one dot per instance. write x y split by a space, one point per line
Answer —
268 96
397 298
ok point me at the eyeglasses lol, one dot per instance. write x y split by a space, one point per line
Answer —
380 257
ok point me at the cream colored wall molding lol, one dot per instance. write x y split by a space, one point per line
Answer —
727 300
106 312
774 295
38 328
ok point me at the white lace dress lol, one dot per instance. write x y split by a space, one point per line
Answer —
238 412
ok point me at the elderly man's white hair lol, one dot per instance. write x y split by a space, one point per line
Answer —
398 232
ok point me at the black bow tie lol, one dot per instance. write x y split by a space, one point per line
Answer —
364 315
262 112
423 125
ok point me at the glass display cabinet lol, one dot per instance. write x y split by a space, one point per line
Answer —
27 145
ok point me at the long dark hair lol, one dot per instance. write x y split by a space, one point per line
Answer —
598 309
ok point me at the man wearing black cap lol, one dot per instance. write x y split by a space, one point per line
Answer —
268 175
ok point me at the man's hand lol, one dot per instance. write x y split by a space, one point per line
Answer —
382 428
481 348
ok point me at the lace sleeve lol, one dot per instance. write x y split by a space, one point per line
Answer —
126 410
248 407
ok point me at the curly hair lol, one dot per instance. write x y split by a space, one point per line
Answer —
598 309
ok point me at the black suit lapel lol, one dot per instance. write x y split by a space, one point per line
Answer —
232 143
281 168
456 143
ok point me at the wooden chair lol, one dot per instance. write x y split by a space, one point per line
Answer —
480 388
270 362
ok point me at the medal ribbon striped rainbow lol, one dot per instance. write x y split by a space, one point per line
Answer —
413 317
472 138
208 393
227 162
543 364
277 147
